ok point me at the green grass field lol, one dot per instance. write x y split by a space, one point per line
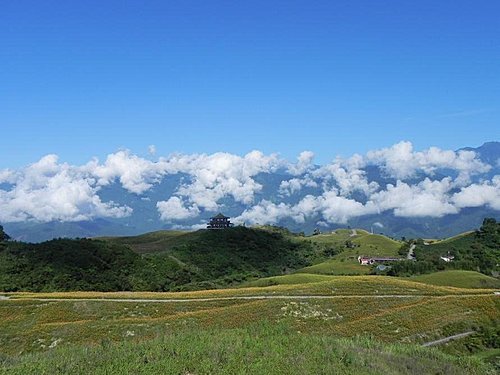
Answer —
74 332
330 286
296 278
452 278
452 239
261 348
459 279
337 267
346 263
154 242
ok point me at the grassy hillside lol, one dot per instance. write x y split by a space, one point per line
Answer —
453 238
296 278
476 251
453 278
153 242
226 257
258 349
330 286
459 279
159 261
387 308
344 246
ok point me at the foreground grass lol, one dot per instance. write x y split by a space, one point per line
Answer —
459 279
264 348
32 324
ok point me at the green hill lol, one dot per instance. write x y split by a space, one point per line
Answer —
344 246
475 251
159 261
205 259
65 264
152 242
459 279
453 278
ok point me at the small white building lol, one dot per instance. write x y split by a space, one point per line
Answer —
364 260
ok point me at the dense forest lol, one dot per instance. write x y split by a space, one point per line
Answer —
198 260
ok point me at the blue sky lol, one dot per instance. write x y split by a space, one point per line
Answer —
85 78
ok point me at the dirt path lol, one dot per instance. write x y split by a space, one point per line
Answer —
449 338
353 233
411 254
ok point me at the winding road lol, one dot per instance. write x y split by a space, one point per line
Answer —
411 254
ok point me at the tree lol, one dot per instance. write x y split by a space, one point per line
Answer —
3 236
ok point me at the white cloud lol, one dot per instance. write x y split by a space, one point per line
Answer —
476 195
152 150
47 191
265 212
338 209
174 209
330 206
222 175
346 176
400 161
304 163
7 176
295 185
428 198
134 173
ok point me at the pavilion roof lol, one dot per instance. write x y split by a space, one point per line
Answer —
220 216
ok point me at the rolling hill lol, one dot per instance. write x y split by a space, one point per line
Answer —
340 311
204 259
344 246
155 261
459 279
478 251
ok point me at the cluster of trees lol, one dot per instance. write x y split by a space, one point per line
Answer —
205 259
231 256
478 251
3 236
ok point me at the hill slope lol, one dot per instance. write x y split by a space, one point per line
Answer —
172 261
477 251
344 245
459 279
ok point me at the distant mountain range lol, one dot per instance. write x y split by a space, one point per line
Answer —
395 191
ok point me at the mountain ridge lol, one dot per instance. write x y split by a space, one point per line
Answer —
278 195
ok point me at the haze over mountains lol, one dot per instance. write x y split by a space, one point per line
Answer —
395 190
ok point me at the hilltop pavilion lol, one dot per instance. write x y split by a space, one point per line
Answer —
219 222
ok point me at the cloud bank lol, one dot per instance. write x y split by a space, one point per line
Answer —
408 183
